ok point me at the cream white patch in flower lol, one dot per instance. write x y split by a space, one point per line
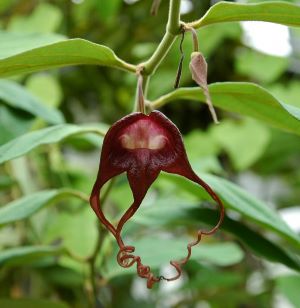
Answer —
143 135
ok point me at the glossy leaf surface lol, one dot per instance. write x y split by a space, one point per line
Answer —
243 98
272 11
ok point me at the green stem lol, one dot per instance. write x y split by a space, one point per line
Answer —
128 67
172 30
181 93
173 25
163 48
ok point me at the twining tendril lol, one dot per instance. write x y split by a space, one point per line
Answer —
179 69
126 259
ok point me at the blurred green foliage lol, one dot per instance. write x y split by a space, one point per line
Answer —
53 252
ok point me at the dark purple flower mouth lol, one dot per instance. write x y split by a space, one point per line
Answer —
143 145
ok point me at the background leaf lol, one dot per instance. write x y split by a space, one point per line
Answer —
242 151
27 254
45 18
13 124
46 87
16 96
261 67
273 11
14 43
29 141
28 205
77 231
289 286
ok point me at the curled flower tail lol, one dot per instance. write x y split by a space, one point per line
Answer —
178 264
142 146
126 259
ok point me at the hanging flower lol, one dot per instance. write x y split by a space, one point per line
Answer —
142 146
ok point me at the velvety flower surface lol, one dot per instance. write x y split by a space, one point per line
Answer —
143 145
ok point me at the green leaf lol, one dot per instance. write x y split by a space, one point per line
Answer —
16 96
45 18
289 286
241 202
260 67
214 278
63 277
66 228
272 11
53 134
157 252
274 160
203 157
41 52
46 87
30 303
247 99
26 206
287 92
27 254
244 141
13 123
14 43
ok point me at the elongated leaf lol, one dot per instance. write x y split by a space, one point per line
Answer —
272 11
28 205
16 96
45 18
27 254
243 203
14 43
25 206
183 214
39 54
244 98
53 134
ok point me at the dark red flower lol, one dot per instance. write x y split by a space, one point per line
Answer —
143 145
